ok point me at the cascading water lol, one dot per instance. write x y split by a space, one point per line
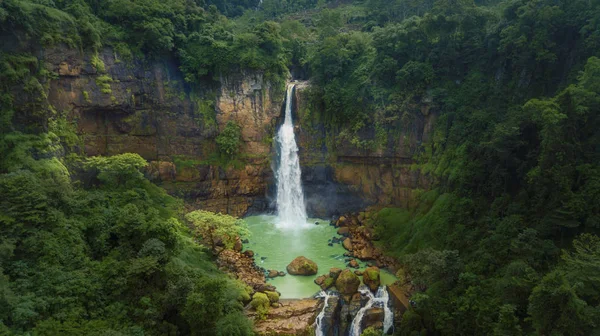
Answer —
381 298
319 320
290 198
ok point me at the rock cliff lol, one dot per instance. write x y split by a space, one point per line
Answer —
339 177
146 107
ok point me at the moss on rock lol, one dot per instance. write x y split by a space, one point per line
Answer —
273 296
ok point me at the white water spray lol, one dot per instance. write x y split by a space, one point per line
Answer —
319 321
290 198
381 298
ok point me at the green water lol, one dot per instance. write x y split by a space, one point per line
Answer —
280 246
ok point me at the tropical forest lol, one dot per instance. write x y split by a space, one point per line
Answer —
299 167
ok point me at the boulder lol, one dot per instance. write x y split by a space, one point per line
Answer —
366 253
341 221
334 272
302 266
358 272
353 263
328 283
347 282
281 273
249 253
347 244
320 279
373 318
343 231
371 278
237 246
273 274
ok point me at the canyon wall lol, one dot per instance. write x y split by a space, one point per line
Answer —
340 177
146 107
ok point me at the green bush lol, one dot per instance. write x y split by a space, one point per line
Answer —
229 139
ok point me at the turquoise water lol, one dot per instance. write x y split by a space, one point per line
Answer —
280 245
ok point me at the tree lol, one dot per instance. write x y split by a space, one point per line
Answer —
118 170
229 139
215 228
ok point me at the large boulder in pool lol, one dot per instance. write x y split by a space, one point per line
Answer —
347 282
371 278
302 266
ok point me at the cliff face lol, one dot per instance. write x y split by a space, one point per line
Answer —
146 107
340 177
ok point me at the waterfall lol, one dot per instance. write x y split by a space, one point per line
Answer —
380 299
319 321
290 198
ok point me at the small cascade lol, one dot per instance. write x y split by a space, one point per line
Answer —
388 315
380 299
290 197
319 321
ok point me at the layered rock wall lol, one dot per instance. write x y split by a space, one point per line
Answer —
146 107
340 177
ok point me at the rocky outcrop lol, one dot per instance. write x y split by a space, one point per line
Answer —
302 266
244 269
360 239
143 106
292 317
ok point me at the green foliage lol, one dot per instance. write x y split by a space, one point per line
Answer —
229 139
79 259
371 331
273 296
260 302
118 170
215 228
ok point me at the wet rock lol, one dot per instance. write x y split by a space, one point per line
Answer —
281 273
273 274
373 318
358 272
249 253
316 223
334 272
302 266
353 263
371 278
351 306
347 282
341 221
343 231
245 241
320 279
366 253
330 244
347 244
331 316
